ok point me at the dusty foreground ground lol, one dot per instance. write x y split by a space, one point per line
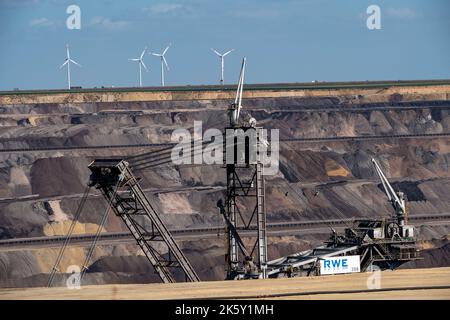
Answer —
401 284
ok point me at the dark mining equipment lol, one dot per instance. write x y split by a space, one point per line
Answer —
381 244
386 243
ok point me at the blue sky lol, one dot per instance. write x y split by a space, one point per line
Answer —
284 41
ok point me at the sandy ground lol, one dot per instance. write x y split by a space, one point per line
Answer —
431 294
294 288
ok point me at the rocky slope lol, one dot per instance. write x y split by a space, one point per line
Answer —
40 190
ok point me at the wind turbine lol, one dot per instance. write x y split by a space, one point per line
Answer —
163 62
67 62
141 64
221 57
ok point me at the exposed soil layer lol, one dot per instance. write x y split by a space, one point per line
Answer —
40 191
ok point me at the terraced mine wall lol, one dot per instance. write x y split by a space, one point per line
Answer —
331 179
352 93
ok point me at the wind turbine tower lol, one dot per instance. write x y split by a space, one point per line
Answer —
141 64
221 57
163 62
67 62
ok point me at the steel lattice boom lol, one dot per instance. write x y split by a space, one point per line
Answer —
121 188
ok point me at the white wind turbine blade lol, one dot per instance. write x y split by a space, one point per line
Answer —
65 62
143 52
143 64
167 48
227 52
134 59
74 62
67 51
155 54
216 52
165 62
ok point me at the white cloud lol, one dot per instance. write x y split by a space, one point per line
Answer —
265 10
258 13
164 8
401 13
42 22
109 24
18 3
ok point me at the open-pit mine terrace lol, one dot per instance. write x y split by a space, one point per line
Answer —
328 132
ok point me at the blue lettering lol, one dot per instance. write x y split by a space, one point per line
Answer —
326 263
344 263
336 263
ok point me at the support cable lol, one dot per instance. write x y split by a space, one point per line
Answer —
162 151
97 234
68 236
